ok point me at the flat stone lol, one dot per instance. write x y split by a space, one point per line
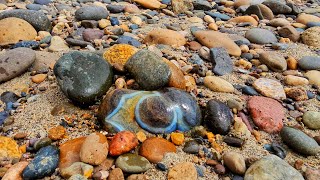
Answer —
132 163
218 84
83 77
213 39
277 7
165 36
311 119
44 164
274 61
14 30
279 22
42 2
244 19
9 148
94 149
299 141
91 13
272 166
128 40
261 10
223 17
221 61
260 36
150 4
218 117
309 63
142 66
183 170
269 88
11 64
176 79
58 44
155 148
36 18
295 80
266 113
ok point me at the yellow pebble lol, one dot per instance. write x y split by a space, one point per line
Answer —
177 138
141 136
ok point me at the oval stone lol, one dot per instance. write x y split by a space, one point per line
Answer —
83 77
260 36
91 13
311 119
132 163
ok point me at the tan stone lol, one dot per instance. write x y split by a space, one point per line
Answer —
165 36
311 37
235 162
94 149
218 84
150 4
14 30
314 77
176 79
58 44
38 78
242 19
15 171
239 3
295 80
305 18
183 171
213 39
269 88
181 6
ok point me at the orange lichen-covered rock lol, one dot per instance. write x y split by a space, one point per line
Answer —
9 148
119 54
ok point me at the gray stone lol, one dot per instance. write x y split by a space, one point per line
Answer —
274 61
149 70
262 11
218 117
36 18
260 36
221 61
132 163
272 167
277 7
311 119
309 63
83 77
12 65
202 5
91 13
299 141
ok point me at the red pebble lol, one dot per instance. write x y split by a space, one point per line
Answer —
123 142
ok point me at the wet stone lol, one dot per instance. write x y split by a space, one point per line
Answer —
132 163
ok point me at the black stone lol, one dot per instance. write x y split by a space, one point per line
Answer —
202 5
218 117
162 166
44 163
36 18
76 42
233 141
221 61
9 96
249 91
83 77
191 147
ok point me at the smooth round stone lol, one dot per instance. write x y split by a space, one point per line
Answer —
115 8
35 7
15 171
8 96
223 17
235 162
309 63
148 69
70 152
313 77
165 36
91 13
272 166
12 65
217 84
155 148
83 77
311 119
42 143
91 34
36 18
249 91
269 88
94 149
261 10
274 61
289 32
202 5
76 42
44 164
306 18
14 30
266 113
79 168
299 141
132 163
128 40
260 36
42 2
149 4
191 147
279 22
277 7
218 117
123 142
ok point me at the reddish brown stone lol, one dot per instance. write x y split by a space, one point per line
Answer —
155 148
69 152
266 113
123 142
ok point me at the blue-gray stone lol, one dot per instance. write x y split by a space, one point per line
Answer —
83 77
26 44
128 40
35 7
42 2
76 42
277 7
260 36
36 18
202 5
115 8
46 40
91 13
191 147
223 17
309 63
221 61
249 91
313 24
44 164
114 21
167 2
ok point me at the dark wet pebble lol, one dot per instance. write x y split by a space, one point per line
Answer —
115 8
114 21
8 96
191 147
76 42
249 91
27 44
42 143
233 141
128 40
162 167
199 171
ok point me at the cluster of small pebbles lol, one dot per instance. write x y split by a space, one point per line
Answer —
159 89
